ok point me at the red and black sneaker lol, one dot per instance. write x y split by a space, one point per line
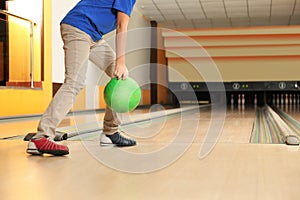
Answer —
45 145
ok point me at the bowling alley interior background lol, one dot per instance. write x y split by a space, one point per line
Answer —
248 50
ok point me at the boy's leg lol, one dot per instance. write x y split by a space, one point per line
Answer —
104 57
76 47
111 122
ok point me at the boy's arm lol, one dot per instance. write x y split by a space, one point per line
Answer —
121 36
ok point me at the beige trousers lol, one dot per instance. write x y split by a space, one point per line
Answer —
78 48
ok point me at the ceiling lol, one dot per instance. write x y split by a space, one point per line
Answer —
220 13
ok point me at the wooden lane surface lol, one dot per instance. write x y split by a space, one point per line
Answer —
234 169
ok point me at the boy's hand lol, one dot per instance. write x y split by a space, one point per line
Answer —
121 72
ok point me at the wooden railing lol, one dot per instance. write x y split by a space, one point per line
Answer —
31 45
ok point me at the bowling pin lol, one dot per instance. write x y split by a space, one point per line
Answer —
282 101
243 99
255 100
232 99
277 100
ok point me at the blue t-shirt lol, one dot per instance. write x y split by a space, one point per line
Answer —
97 17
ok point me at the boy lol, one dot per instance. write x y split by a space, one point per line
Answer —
82 30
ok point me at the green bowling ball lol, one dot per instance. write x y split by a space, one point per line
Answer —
122 95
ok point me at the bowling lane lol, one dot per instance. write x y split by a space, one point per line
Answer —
192 128
235 127
238 124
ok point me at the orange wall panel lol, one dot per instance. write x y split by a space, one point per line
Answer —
23 101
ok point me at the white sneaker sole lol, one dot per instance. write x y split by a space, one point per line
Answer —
31 149
106 142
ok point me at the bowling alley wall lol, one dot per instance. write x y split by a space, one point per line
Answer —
245 59
16 97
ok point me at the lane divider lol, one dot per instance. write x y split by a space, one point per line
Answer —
271 126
